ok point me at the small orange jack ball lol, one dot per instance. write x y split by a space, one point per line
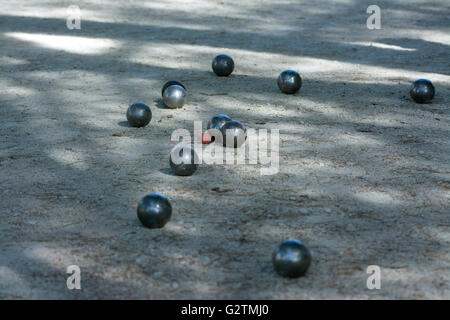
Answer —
206 138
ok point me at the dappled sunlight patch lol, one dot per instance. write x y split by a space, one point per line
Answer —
72 44
171 5
440 233
8 61
328 168
70 158
181 228
50 256
10 279
121 273
57 12
187 56
170 56
205 287
123 147
290 131
381 46
376 197
18 91
387 73
58 257
213 8
15 91
358 139
272 62
427 35
435 36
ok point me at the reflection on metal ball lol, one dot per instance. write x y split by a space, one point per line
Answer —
174 96
422 91
170 83
234 134
289 81
223 65
154 210
183 161
291 259
218 121
139 114
215 126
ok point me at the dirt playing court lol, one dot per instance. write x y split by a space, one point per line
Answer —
364 176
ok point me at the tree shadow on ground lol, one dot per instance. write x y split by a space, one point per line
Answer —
49 165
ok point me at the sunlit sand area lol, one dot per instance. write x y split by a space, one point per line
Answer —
364 171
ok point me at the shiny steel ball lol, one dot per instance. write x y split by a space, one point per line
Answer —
291 259
289 81
223 65
174 96
170 83
154 210
183 161
218 121
139 114
422 91
234 132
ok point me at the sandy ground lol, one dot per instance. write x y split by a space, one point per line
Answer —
364 171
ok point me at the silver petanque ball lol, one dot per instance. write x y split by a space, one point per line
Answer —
183 161
154 211
215 125
291 259
422 91
223 65
139 115
174 96
218 121
289 81
234 134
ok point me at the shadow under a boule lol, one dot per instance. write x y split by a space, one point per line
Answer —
168 171
125 124
159 103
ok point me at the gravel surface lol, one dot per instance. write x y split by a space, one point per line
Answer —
364 174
